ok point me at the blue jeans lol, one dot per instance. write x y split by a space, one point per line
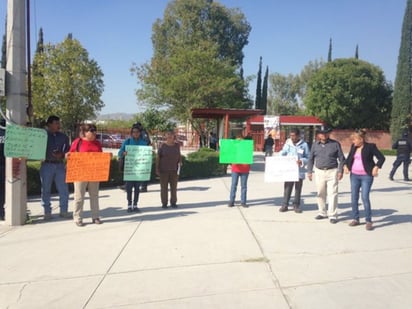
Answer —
50 172
361 183
243 187
130 186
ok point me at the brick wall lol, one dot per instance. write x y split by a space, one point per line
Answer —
382 139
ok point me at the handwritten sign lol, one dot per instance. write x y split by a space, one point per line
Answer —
281 169
25 142
88 166
236 151
137 163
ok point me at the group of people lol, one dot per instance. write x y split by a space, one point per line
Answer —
325 163
53 169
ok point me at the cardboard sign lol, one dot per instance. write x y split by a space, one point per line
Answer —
25 142
236 151
281 169
137 163
88 166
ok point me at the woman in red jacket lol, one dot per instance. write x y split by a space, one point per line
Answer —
87 142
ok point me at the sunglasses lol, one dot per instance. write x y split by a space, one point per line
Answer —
92 130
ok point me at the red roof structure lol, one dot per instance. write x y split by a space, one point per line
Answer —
226 114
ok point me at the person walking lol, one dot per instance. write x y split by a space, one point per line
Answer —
268 146
362 167
168 163
326 160
297 147
403 153
86 143
53 169
132 185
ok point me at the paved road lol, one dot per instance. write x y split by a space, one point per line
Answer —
206 255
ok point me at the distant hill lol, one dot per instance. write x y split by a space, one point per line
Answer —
116 116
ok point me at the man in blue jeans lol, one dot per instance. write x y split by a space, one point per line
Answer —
53 168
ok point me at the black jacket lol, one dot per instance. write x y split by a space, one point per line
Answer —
369 151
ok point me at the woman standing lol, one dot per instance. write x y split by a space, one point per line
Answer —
86 143
363 168
168 163
132 185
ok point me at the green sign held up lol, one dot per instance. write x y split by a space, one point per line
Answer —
137 163
236 151
25 142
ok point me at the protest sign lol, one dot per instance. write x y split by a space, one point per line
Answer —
236 151
25 142
137 163
281 169
88 166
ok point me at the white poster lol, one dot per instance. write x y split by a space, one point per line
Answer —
271 125
281 169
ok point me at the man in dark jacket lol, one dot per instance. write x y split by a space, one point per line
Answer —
403 147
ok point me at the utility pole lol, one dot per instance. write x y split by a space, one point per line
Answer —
16 91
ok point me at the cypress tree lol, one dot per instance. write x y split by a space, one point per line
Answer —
265 91
330 51
40 42
402 96
258 100
357 52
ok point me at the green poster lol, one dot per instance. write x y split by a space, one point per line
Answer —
236 151
137 163
25 142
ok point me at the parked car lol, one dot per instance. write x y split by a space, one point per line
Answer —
108 141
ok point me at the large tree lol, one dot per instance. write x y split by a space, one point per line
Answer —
402 95
197 58
283 94
66 82
265 91
350 93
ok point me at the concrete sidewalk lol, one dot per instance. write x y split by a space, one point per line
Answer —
207 255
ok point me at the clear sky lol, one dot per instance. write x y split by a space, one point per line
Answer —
286 33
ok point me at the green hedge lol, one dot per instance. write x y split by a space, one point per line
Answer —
201 164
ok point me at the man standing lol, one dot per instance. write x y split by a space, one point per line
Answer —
403 153
326 160
296 147
53 168
268 146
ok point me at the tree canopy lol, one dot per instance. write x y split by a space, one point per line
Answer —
401 117
350 93
66 82
197 59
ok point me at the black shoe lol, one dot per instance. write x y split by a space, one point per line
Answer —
143 189
173 206
406 179
136 209
283 208
333 221
390 178
319 217
231 204
129 209
245 205
164 207
297 210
